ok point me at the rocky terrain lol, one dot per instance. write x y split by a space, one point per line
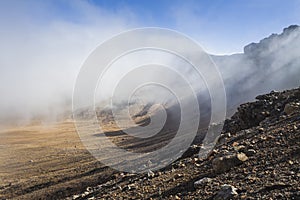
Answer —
256 157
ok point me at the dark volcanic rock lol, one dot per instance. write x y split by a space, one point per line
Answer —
268 106
256 157
226 192
225 163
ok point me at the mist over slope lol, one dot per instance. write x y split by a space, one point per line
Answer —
271 64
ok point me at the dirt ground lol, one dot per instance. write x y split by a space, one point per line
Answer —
49 161
40 161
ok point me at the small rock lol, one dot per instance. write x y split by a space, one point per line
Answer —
197 165
85 194
242 157
282 117
76 196
181 164
291 162
202 181
225 163
222 139
194 160
130 187
250 152
239 148
261 129
289 108
178 176
226 192
151 174
212 153
234 144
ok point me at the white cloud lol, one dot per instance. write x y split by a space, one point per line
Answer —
41 54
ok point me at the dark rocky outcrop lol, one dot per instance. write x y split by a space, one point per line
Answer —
256 157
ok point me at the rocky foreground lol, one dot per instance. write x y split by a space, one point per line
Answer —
256 157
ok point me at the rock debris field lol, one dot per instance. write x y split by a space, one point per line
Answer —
256 157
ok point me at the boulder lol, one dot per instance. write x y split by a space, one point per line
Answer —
226 192
225 163
289 108
202 181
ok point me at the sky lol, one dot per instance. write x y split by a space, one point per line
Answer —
220 26
43 44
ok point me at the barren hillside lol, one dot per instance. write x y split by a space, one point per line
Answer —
257 156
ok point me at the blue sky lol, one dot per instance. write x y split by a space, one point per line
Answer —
220 26
223 26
